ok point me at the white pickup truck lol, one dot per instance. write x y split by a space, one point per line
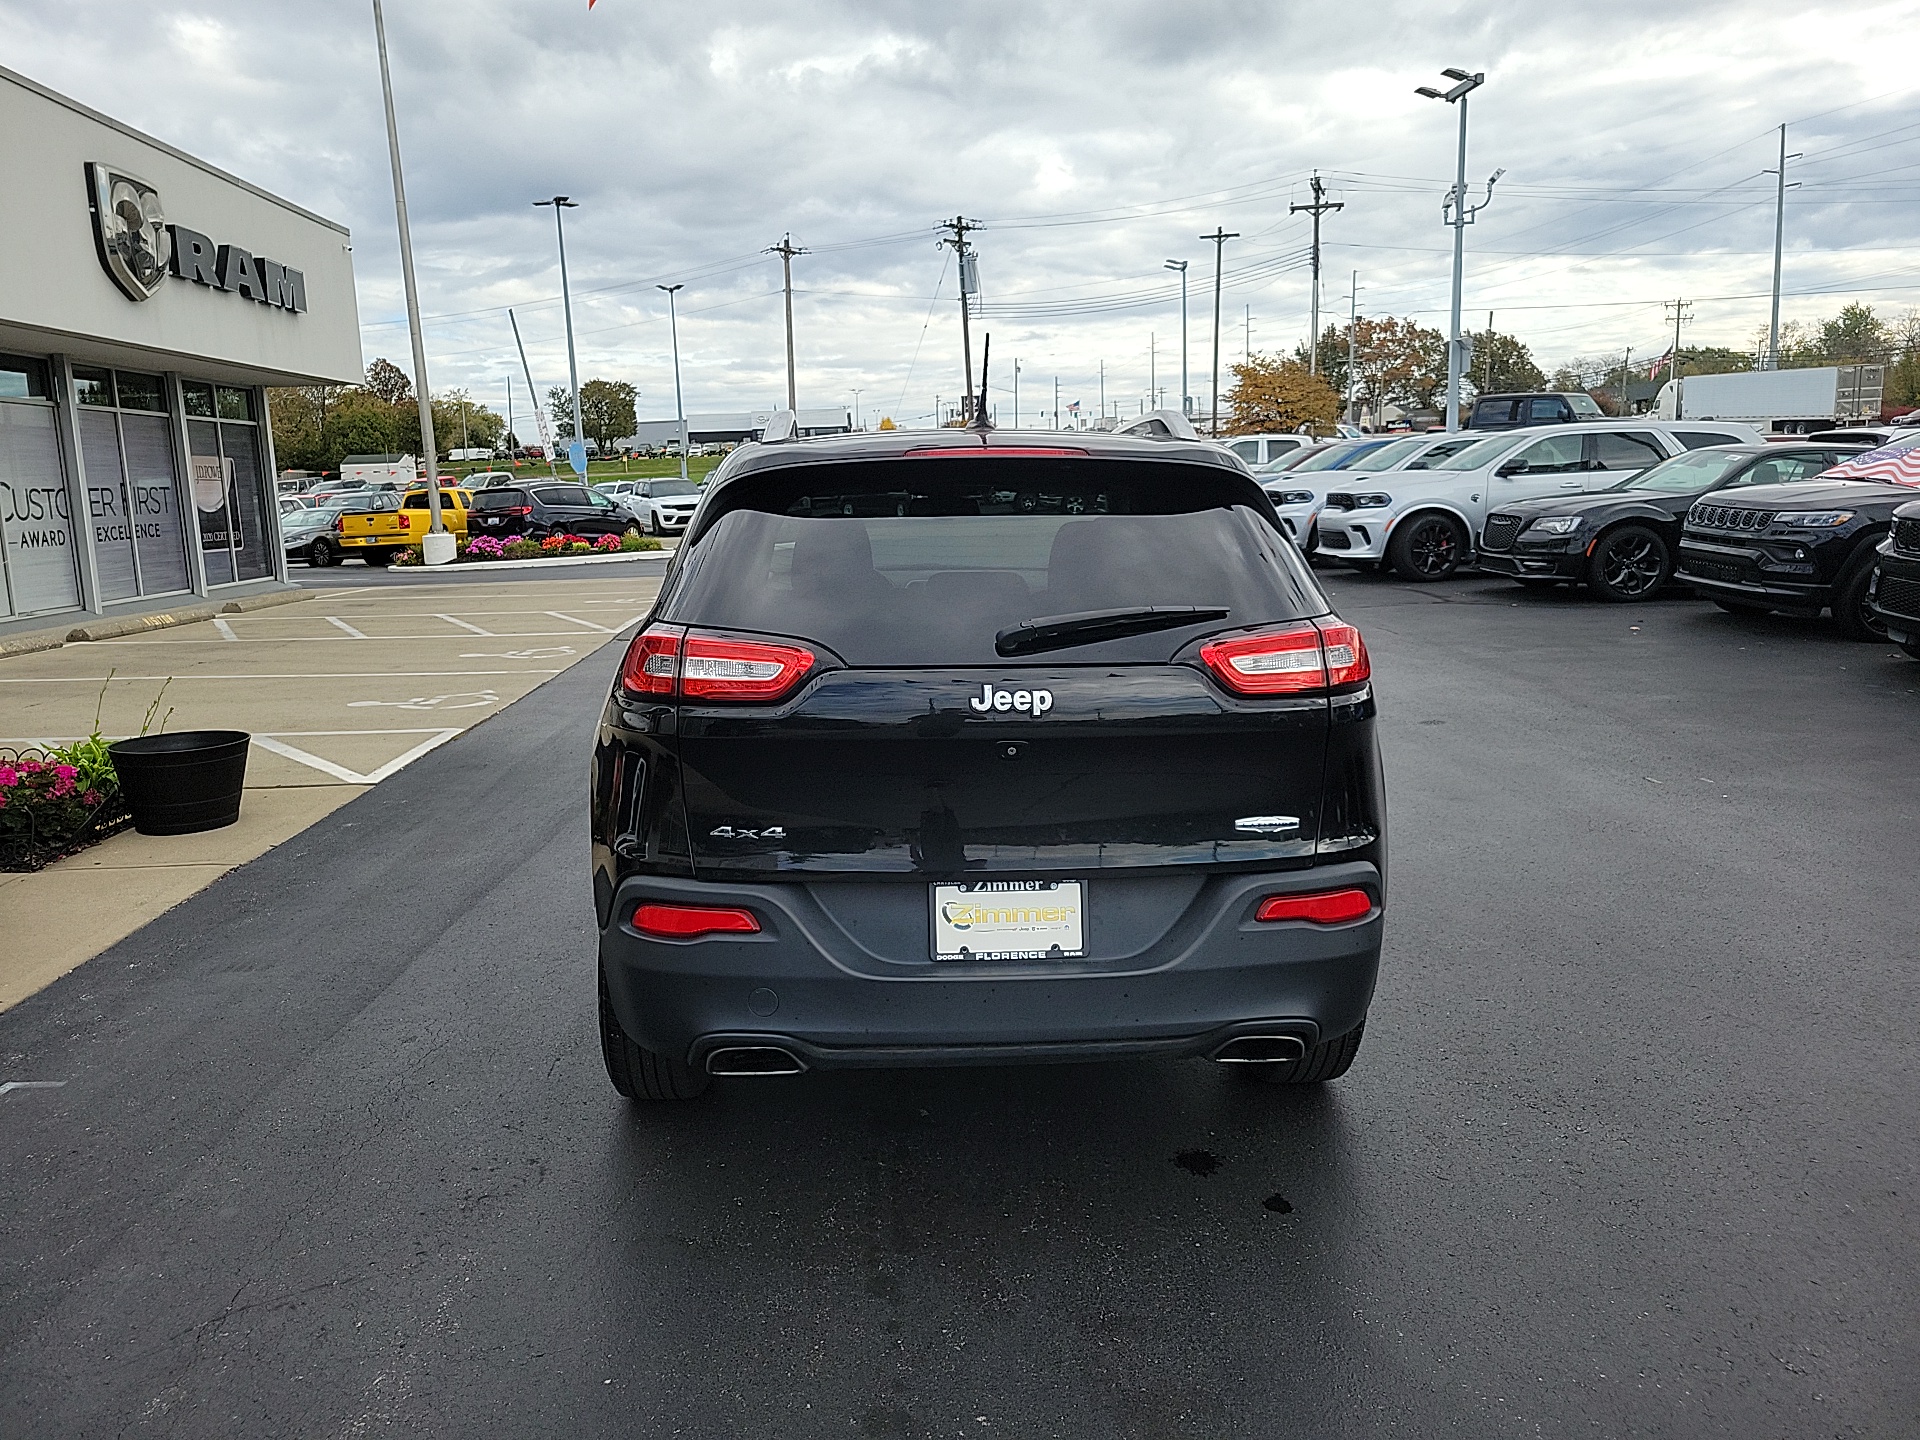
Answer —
1424 524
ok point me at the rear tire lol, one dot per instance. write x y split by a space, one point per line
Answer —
637 1072
1629 564
1850 612
321 554
1328 1060
1427 547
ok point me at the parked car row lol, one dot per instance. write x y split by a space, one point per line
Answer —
1795 525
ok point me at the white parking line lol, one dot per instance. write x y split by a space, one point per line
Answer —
336 620
590 624
31 1085
435 738
226 630
453 620
186 639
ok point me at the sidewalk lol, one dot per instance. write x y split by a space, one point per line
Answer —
339 690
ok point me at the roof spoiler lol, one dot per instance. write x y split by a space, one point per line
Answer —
781 425
1161 425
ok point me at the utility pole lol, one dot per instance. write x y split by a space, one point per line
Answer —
1626 374
1680 317
1461 216
539 415
969 286
1320 206
1153 366
1103 390
856 410
1186 395
1016 392
786 250
1487 382
1353 343
560 203
463 422
1056 402
679 404
1246 350
439 546
1219 239
1772 361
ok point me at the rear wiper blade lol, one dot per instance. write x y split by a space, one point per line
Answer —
1088 627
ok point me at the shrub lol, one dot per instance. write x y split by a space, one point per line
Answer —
55 801
636 542
607 543
579 547
521 549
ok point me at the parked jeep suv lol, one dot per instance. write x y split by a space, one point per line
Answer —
986 748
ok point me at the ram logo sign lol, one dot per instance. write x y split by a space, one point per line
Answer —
138 248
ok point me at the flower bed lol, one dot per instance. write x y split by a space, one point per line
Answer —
483 548
55 801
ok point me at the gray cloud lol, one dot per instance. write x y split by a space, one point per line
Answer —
1095 141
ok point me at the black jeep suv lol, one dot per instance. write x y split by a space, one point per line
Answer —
978 747
1799 549
1894 593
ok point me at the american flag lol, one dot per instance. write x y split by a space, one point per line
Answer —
1661 363
1897 463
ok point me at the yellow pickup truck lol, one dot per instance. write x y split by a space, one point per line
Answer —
384 524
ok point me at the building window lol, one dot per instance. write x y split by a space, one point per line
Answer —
39 556
133 492
229 484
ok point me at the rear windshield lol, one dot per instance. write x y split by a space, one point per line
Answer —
563 495
500 498
887 567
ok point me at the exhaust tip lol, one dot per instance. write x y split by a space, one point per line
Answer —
1261 1050
754 1060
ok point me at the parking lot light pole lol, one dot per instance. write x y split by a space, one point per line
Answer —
679 405
438 546
559 203
1186 399
1464 85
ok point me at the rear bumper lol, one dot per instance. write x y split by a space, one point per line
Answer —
808 984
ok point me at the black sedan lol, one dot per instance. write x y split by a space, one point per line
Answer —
1621 541
1893 595
1798 549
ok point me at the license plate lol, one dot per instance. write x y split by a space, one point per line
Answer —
1010 920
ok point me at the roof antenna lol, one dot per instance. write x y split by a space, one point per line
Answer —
980 420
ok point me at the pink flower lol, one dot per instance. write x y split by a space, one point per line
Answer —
90 798
65 772
63 786
9 776
31 767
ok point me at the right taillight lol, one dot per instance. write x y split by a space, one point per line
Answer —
1294 660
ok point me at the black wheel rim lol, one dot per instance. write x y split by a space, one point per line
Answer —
1433 548
1632 565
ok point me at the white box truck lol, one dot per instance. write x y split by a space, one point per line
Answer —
395 470
1779 402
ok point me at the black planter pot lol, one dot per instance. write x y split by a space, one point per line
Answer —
179 784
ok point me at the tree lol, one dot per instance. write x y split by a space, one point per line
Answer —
1332 357
1856 336
607 411
1903 369
455 414
560 407
389 382
1270 394
1502 364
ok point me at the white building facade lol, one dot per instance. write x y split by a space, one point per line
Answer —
147 300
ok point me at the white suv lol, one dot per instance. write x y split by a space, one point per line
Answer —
1424 524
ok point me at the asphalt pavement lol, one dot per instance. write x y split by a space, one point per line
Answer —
1630 1148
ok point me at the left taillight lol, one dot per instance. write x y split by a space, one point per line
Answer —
652 665
1304 659
669 660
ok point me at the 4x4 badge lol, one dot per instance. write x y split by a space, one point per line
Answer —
728 832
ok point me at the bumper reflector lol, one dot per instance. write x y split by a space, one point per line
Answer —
1330 907
684 922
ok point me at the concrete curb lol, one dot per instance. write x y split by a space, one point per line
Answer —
113 627
480 567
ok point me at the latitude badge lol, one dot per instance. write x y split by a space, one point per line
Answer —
130 230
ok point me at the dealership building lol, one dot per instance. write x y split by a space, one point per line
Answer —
147 299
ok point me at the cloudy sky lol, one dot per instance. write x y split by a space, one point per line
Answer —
1092 141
